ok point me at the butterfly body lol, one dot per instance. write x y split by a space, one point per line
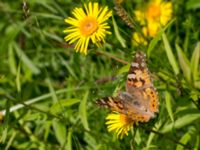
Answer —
140 100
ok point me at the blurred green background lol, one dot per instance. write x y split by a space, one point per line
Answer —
57 88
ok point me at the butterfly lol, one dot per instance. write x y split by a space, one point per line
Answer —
140 100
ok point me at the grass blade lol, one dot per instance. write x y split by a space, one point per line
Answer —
184 139
83 111
153 43
8 146
181 122
192 4
60 131
12 61
18 83
196 146
152 135
57 107
169 105
69 139
68 67
25 59
118 36
184 63
52 91
195 62
170 55
123 69
155 40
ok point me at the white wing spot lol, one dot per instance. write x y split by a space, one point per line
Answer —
134 65
131 76
143 64
137 55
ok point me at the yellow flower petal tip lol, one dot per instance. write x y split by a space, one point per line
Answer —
119 123
88 25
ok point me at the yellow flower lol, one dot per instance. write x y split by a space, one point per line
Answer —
88 24
119 123
156 15
138 38
140 16
153 28
159 11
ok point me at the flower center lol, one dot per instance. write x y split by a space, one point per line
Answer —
124 119
88 26
153 12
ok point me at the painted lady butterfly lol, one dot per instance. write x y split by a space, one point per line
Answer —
140 101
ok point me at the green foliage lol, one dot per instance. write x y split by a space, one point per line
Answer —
48 91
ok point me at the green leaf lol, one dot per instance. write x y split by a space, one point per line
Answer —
169 105
48 6
155 40
18 83
197 84
57 107
192 4
4 135
83 111
184 139
47 16
12 61
52 91
196 146
11 33
68 67
52 36
170 55
47 128
9 144
91 141
153 43
69 139
60 131
123 69
118 36
150 139
181 122
138 138
184 63
22 56
150 147
195 62
152 135
163 74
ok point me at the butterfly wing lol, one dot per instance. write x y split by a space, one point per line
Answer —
124 103
138 75
140 100
140 85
